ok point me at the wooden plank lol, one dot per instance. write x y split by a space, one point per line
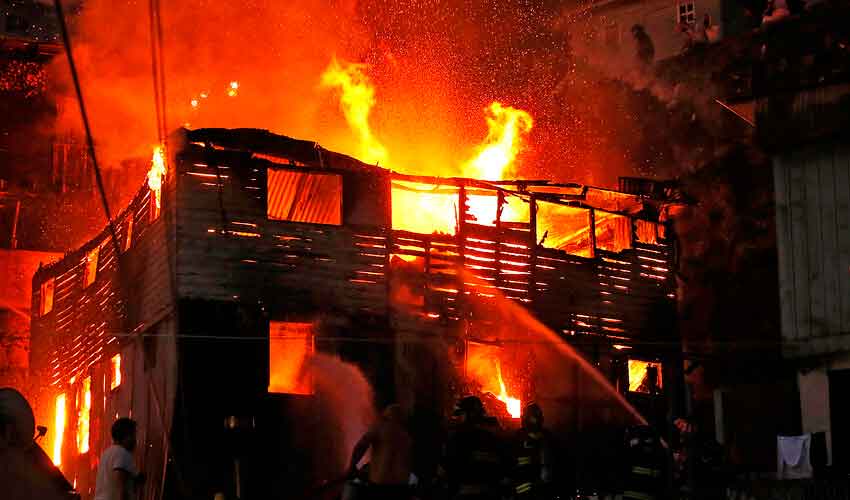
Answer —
842 195
815 242
799 250
830 261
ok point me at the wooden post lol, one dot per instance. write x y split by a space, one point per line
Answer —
500 199
461 249
532 249
592 232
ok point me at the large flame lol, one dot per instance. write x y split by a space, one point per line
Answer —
156 174
485 368
506 128
59 429
357 97
514 405
83 416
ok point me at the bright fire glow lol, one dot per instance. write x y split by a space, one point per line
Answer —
506 128
116 372
59 429
155 176
436 207
513 404
357 98
638 376
485 368
290 344
83 416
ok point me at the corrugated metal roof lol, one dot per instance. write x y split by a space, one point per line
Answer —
304 196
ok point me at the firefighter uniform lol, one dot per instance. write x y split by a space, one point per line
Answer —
474 459
644 478
531 467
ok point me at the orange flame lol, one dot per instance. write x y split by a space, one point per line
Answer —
485 368
59 425
116 372
357 98
496 155
156 174
83 416
513 404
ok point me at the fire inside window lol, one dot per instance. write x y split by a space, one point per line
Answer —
83 415
91 266
59 432
304 197
644 376
115 363
46 304
686 13
564 228
289 346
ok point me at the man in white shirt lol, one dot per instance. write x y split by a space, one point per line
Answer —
117 476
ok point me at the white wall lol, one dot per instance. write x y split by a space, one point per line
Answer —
812 187
658 17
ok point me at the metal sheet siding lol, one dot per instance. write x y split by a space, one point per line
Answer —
304 196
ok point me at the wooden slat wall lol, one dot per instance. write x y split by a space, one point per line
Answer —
813 237
228 248
88 325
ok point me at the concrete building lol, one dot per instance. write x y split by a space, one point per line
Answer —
607 25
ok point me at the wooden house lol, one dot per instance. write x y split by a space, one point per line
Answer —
194 312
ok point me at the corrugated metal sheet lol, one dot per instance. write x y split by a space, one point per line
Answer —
304 196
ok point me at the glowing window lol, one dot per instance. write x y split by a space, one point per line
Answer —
564 228
91 266
46 304
115 363
641 374
83 415
59 429
426 208
646 232
686 13
613 232
128 235
289 346
304 197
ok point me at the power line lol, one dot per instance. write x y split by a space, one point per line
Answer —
66 41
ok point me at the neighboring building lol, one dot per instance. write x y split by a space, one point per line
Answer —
603 28
802 109
265 249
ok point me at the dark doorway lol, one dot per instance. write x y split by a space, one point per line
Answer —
839 388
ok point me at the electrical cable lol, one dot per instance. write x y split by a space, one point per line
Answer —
66 41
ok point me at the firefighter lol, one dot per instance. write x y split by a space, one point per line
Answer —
532 469
646 458
474 460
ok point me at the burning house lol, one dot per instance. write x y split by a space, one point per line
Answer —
199 310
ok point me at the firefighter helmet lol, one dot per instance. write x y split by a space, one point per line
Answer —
470 407
532 415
